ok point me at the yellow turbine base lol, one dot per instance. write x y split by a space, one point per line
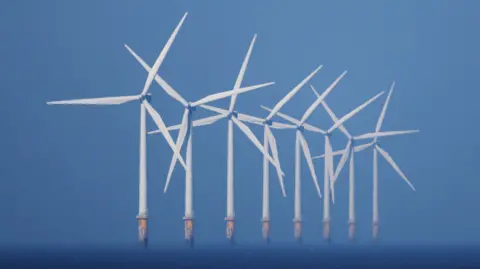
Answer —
142 230
266 230
326 230
230 230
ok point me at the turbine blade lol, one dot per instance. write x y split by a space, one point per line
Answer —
284 116
290 95
241 74
278 125
353 112
331 114
341 152
221 95
171 128
273 146
168 89
215 109
380 134
174 127
208 120
343 160
251 119
97 101
384 109
394 165
362 147
313 128
336 153
161 57
308 157
244 128
180 138
242 117
319 100
161 125
296 122
335 120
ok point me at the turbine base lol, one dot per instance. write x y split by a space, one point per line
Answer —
142 230
188 230
266 231
298 231
230 230
375 230
326 230
351 231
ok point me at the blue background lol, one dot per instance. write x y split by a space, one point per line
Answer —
69 175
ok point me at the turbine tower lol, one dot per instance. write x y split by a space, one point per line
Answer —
348 152
300 126
144 98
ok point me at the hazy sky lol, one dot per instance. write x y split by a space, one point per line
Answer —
70 174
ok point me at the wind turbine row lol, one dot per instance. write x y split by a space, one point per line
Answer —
145 98
268 149
348 154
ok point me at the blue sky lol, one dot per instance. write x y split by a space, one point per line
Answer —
69 175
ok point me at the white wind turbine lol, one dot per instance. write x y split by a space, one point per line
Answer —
269 142
348 152
376 148
144 98
185 129
300 140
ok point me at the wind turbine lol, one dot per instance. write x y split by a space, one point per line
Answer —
376 148
349 153
185 129
144 97
300 126
269 142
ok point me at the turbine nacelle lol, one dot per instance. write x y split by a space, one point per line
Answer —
233 114
190 107
300 128
147 97
268 122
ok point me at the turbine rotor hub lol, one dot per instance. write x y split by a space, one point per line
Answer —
147 97
233 114
190 107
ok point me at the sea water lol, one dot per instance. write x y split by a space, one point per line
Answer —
246 256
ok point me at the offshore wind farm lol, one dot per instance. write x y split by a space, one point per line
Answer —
274 120
239 134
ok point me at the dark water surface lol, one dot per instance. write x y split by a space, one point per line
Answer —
290 256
